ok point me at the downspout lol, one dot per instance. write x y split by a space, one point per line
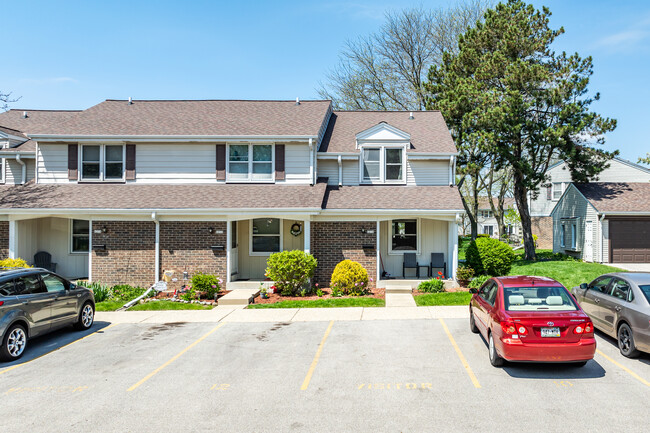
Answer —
157 248
24 170
602 240
340 161
311 161
451 171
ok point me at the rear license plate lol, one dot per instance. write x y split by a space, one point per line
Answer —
550 332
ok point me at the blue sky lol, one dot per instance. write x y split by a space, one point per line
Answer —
74 54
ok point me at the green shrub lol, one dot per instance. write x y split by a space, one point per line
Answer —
209 284
464 273
477 282
489 256
319 293
188 294
482 235
551 256
290 270
350 278
434 285
101 291
14 263
125 292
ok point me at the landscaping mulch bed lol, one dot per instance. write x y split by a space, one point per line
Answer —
327 294
170 295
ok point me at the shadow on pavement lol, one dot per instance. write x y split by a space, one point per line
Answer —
554 371
40 346
643 358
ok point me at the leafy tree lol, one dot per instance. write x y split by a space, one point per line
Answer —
520 102
645 160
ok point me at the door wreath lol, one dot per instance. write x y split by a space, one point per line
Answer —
296 229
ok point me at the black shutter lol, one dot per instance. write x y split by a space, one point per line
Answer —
279 162
548 193
73 162
130 162
221 162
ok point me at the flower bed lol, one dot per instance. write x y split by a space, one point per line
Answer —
327 294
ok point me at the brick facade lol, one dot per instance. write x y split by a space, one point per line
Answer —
185 247
543 228
4 239
129 257
332 242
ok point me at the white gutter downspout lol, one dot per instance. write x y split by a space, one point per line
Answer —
157 248
451 171
340 161
24 170
311 161
602 240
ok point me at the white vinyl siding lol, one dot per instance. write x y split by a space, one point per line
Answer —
350 172
14 173
52 163
330 169
573 208
296 163
175 163
427 172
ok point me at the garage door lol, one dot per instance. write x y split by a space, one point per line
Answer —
630 241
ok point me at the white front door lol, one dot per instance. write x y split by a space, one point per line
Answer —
588 254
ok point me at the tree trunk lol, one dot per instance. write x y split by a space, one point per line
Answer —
474 218
522 204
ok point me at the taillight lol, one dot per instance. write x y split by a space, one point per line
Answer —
584 328
522 330
512 328
589 328
2 303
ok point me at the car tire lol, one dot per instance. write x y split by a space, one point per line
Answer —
580 364
495 359
626 341
86 317
14 343
472 322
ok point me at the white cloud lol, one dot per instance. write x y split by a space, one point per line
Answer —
629 37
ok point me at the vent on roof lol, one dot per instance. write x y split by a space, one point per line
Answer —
130 100
411 115
25 116
297 101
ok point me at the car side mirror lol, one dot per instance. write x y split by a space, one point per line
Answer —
584 286
73 286
473 291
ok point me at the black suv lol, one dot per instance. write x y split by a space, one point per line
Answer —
35 301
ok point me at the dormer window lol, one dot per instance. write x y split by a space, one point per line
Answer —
102 162
383 164
250 163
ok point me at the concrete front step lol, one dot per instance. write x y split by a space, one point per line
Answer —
398 288
253 284
239 297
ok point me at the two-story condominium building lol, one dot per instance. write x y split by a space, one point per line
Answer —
126 190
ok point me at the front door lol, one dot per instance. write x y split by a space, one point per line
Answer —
588 255
234 251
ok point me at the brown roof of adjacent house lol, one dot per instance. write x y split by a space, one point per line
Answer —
610 197
180 117
134 196
484 202
393 197
36 120
428 130
12 131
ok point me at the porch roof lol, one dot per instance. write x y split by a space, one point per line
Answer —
393 197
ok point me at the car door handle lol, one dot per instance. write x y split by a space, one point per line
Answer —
78 295
596 300
617 308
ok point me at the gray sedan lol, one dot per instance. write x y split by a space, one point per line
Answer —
619 305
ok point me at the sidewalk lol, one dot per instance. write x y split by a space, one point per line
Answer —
230 314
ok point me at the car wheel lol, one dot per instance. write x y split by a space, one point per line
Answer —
495 359
626 341
580 364
14 343
86 317
472 322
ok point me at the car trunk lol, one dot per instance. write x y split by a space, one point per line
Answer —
538 321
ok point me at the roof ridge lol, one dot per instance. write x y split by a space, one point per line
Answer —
386 111
217 100
36 109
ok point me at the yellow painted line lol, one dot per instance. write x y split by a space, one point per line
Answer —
471 374
178 355
58 348
305 383
627 370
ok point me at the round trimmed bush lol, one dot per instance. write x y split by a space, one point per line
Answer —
350 278
489 256
290 271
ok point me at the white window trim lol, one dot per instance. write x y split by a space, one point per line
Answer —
71 235
102 163
382 164
250 163
561 185
250 239
488 225
574 235
3 178
390 238
563 235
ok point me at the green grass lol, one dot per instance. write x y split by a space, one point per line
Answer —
568 273
462 246
325 303
448 298
108 305
168 305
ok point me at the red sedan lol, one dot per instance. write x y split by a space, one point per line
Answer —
531 319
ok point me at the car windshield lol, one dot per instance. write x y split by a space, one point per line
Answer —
646 291
537 299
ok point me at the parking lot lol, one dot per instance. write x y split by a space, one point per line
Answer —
386 375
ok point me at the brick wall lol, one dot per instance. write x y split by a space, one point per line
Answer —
332 242
4 239
185 247
543 228
129 257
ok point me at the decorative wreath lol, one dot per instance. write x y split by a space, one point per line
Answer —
296 229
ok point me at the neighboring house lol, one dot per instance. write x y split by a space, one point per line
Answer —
604 222
487 222
126 190
619 170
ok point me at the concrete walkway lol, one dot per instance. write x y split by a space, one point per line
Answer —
633 267
399 295
234 314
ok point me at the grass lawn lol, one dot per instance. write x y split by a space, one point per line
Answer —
449 298
325 303
168 305
108 305
462 246
569 274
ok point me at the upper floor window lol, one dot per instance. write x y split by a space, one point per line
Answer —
102 162
486 214
250 162
557 190
383 165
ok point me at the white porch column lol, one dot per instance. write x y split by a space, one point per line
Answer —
90 250
453 248
157 248
307 235
378 255
228 250
12 239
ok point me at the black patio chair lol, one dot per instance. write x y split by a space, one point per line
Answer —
410 262
43 259
437 262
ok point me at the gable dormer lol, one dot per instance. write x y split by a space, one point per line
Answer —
383 154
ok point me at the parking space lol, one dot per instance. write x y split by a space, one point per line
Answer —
395 375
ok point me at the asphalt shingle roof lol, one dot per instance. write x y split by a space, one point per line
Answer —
393 197
617 197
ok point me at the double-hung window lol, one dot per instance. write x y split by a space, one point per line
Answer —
266 236
382 165
404 235
557 190
80 238
102 162
250 162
